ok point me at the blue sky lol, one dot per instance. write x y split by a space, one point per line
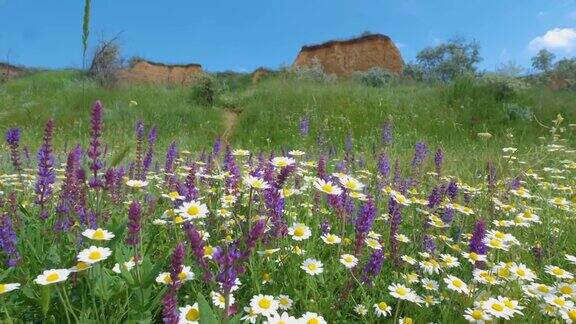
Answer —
243 35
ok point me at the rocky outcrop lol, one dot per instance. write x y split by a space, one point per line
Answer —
259 73
342 58
8 72
157 73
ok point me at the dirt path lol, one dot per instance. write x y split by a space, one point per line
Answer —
230 121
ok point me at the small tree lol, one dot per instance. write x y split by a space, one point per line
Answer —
510 69
106 63
543 60
450 60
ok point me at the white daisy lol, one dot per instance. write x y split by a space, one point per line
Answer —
382 309
189 314
98 234
312 267
331 238
193 210
348 260
8 287
299 232
327 187
94 254
264 305
456 284
52 276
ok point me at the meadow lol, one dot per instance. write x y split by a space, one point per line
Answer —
330 202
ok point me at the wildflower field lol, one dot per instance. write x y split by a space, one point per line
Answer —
388 228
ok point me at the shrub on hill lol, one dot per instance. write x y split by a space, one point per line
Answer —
205 90
374 77
314 72
106 63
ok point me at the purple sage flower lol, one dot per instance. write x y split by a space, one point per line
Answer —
94 151
438 161
8 241
46 173
134 223
304 126
364 222
420 154
147 163
477 244
373 267
13 140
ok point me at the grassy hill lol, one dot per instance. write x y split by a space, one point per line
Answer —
447 115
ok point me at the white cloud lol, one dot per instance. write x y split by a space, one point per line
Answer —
563 39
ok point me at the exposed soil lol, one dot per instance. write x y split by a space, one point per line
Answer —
258 74
9 72
342 58
158 73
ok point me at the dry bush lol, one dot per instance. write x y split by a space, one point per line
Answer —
106 63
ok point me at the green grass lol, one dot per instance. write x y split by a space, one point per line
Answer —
449 116
67 96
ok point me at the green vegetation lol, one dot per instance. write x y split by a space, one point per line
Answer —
446 114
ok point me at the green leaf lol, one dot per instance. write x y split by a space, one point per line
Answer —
206 314
116 159
45 296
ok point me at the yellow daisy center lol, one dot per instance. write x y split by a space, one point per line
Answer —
401 291
174 195
473 256
3 288
193 210
521 272
544 289
193 315
98 234
495 242
264 303
572 314
299 231
95 255
82 266
566 290
476 314
313 321
348 258
52 277
327 188
558 271
559 301
498 307
382 306
312 266
182 275
457 283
